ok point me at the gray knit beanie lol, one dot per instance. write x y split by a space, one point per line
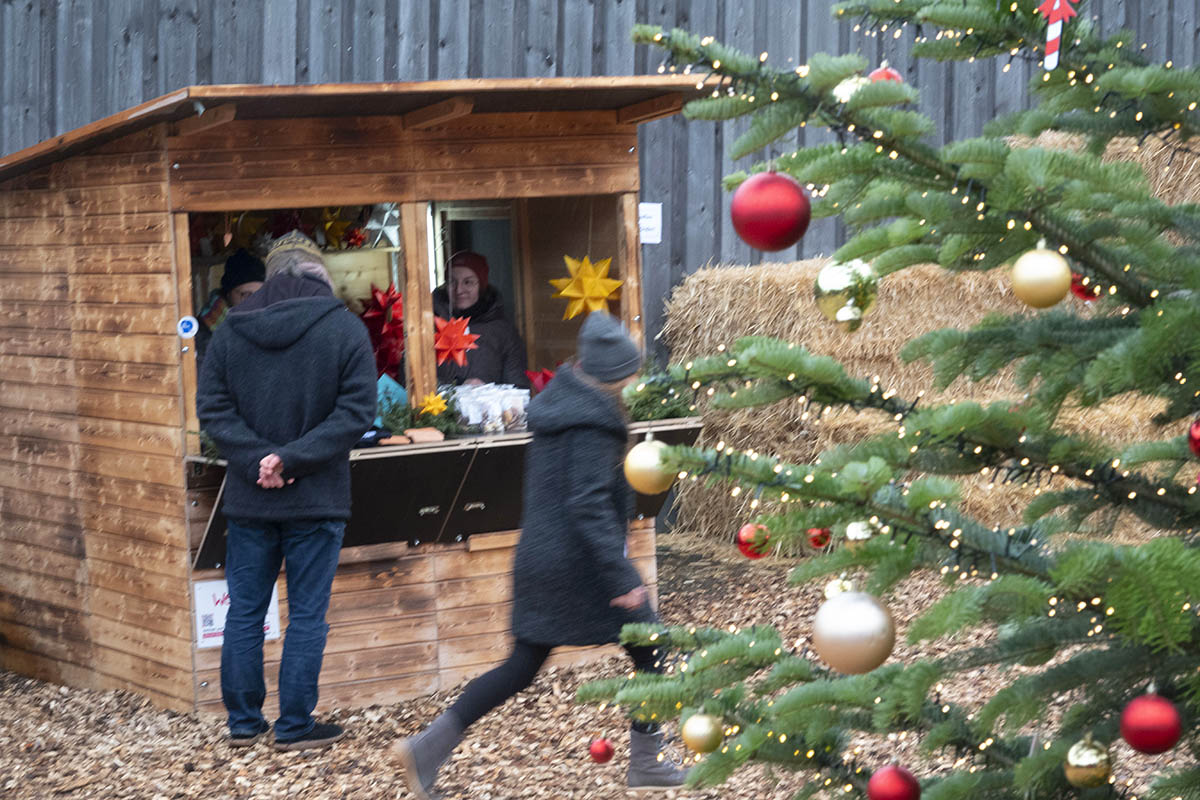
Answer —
605 350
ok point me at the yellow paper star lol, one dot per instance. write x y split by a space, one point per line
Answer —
246 228
334 226
589 286
433 404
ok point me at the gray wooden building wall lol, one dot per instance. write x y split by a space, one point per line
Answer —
64 63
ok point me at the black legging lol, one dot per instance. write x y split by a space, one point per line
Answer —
494 687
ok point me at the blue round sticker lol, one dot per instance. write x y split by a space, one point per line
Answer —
187 327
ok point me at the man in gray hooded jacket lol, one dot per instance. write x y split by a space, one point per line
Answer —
286 390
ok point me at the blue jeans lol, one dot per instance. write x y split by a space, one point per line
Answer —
254 552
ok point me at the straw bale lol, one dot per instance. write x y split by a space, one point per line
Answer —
1173 174
717 305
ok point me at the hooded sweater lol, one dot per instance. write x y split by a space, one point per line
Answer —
570 560
291 372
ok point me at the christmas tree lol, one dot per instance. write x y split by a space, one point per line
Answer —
1115 627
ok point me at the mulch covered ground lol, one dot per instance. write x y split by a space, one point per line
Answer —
57 742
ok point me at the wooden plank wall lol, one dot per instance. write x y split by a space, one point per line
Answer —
66 63
405 623
93 585
354 160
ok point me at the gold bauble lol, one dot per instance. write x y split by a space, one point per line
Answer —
644 469
849 317
1041 278
702 733
838 285
1087 765
853 632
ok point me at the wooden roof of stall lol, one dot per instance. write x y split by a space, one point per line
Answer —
636 98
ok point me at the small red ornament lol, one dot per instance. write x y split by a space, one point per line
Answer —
1194 437
770 211
819 537
893 783
1086 292
885 73
355 238
453 340
1151 724
601 750
753 540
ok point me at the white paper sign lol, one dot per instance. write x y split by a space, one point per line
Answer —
650 222
212 605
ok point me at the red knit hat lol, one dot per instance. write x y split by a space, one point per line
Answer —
472 261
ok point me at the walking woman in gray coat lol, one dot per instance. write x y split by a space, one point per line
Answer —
572 583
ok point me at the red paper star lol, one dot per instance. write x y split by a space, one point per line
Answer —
384 310
453 340
539 379
1056 10
383 314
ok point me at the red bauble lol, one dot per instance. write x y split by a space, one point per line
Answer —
893 783
770 211
1085 292
819 537
601 750
885 73
1150 724
1194 437
753 540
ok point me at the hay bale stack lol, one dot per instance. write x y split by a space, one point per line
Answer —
1173 175
718 305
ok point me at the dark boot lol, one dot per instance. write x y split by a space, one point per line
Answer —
650 768
421 755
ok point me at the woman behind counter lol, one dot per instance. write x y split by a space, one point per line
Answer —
501 354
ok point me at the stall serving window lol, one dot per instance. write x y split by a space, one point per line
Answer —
508 283
506 321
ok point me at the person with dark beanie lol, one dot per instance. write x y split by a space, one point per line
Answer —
287 389
572 582
243 276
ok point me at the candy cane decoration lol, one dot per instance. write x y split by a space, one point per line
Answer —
1056 12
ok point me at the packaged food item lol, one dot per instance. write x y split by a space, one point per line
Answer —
491 408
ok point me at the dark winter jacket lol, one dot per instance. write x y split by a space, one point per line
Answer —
571 561
290 372
500 357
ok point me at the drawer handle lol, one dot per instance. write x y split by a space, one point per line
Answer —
427 510
475 506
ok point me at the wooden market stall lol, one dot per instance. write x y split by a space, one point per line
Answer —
113 233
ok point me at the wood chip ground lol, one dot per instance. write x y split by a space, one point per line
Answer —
69 744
